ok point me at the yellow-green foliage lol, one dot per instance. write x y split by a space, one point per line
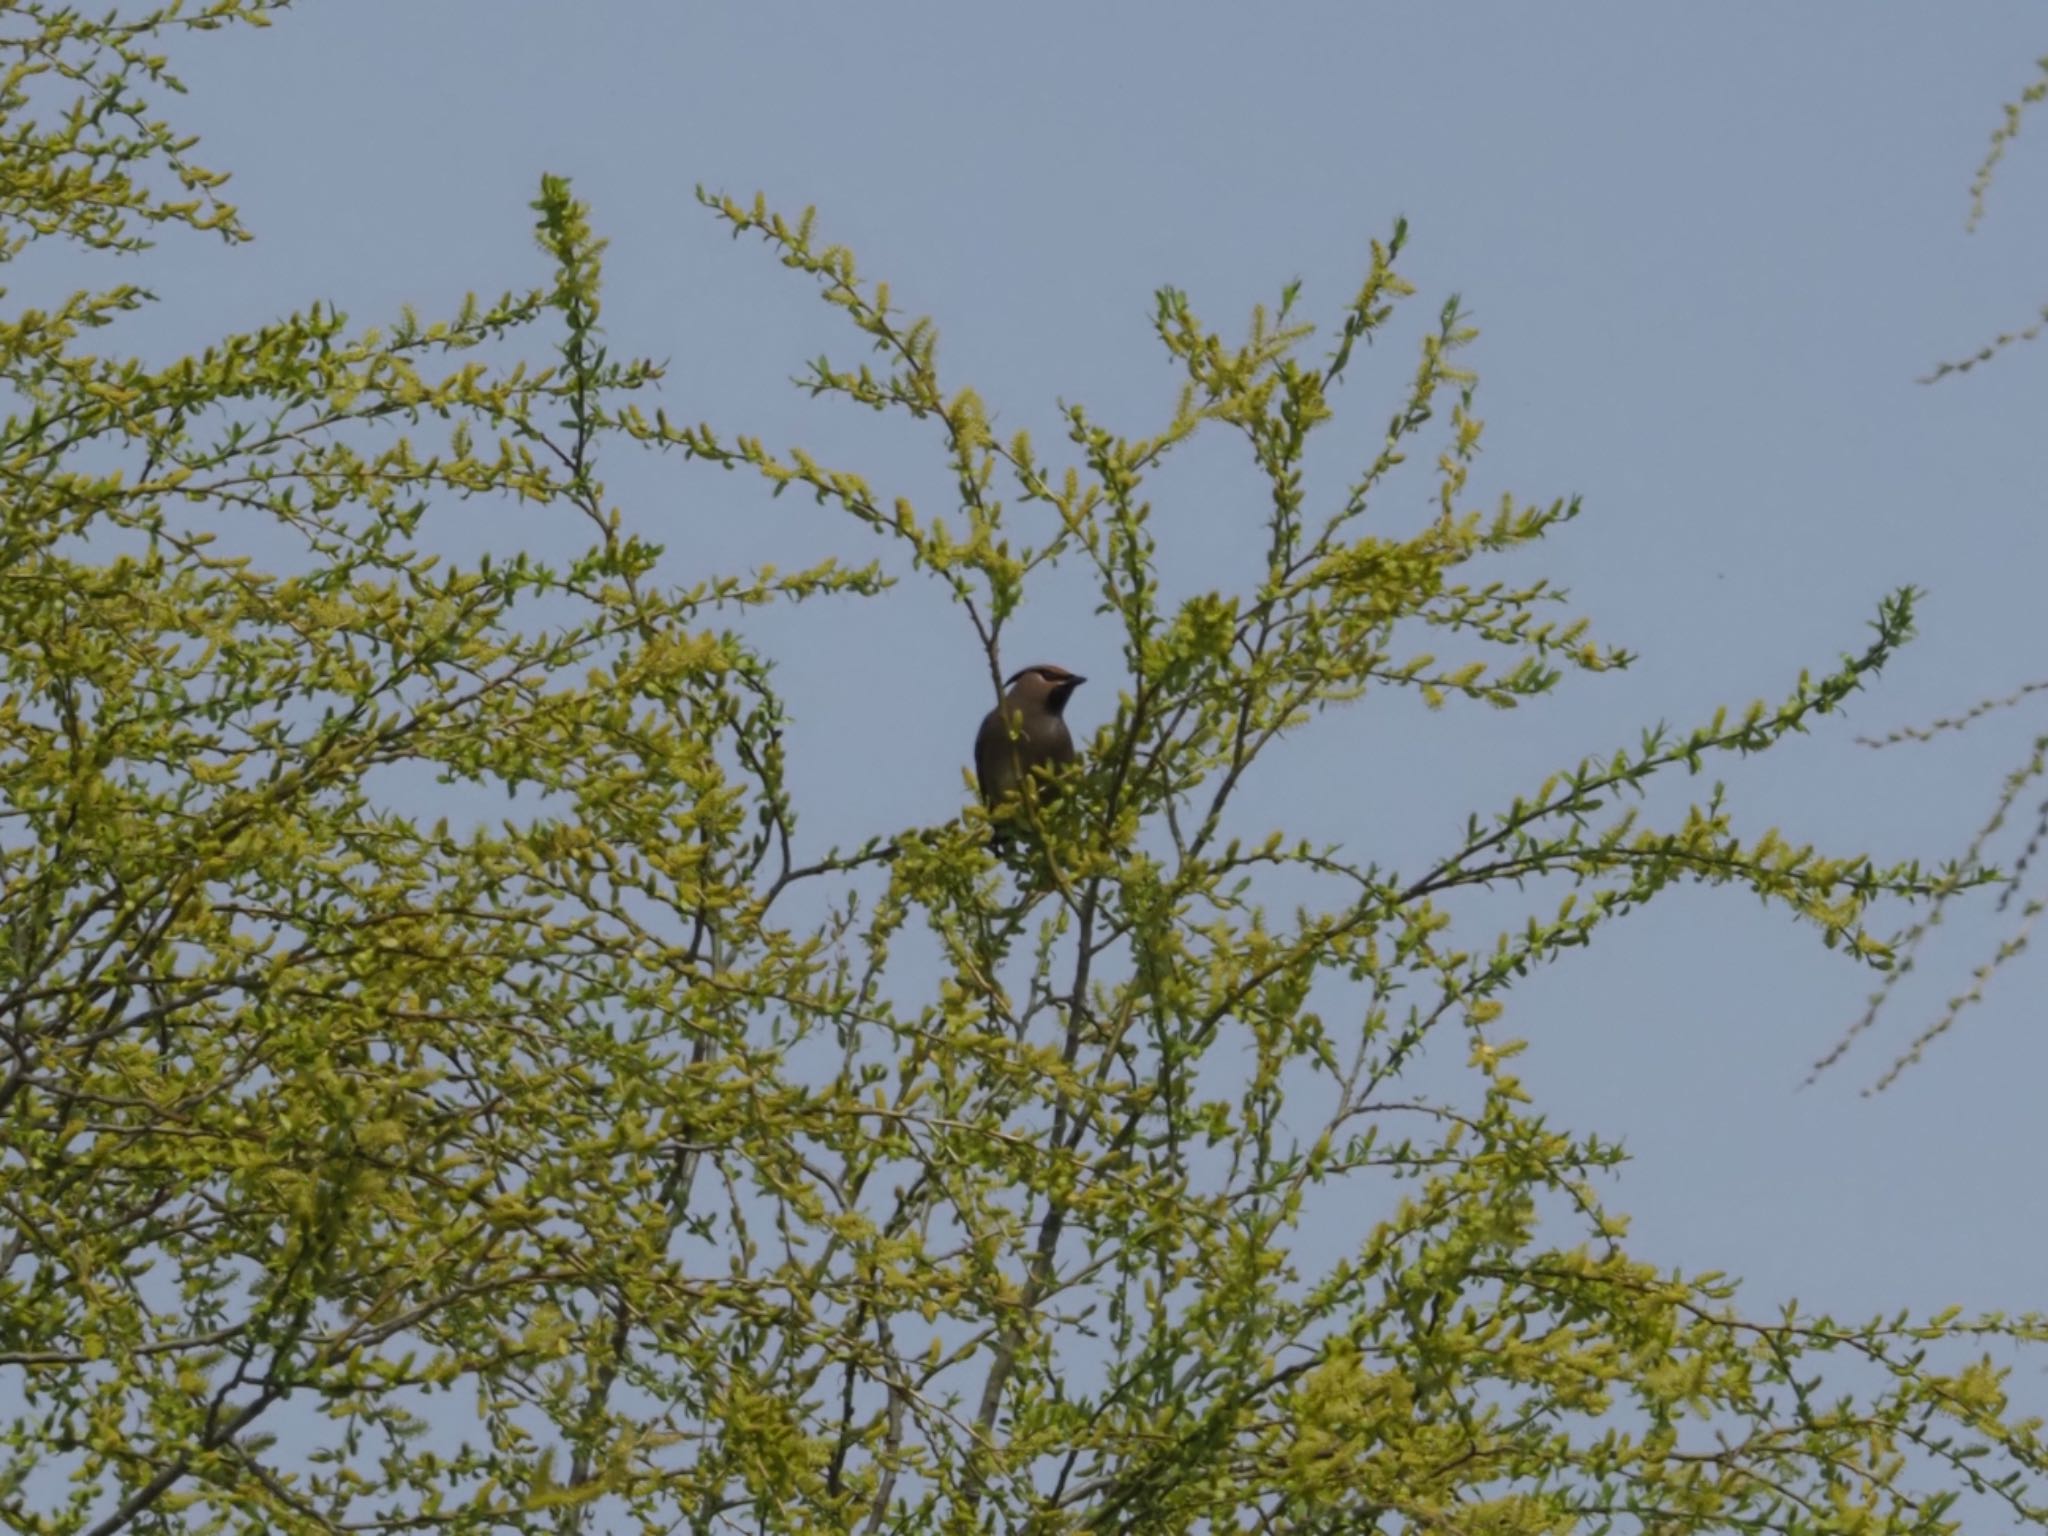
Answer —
613 1164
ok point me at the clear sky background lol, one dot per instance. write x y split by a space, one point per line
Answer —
1710 249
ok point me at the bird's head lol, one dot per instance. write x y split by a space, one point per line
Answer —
1045 685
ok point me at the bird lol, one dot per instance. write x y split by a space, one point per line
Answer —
1024 733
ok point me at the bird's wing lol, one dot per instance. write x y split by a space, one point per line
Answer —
995 758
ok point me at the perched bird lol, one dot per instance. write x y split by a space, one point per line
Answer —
1025 732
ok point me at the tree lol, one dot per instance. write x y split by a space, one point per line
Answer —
546 1172
2012 116
2017 782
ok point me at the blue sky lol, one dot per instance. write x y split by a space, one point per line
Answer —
1710 249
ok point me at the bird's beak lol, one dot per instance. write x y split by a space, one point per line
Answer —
1075 682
